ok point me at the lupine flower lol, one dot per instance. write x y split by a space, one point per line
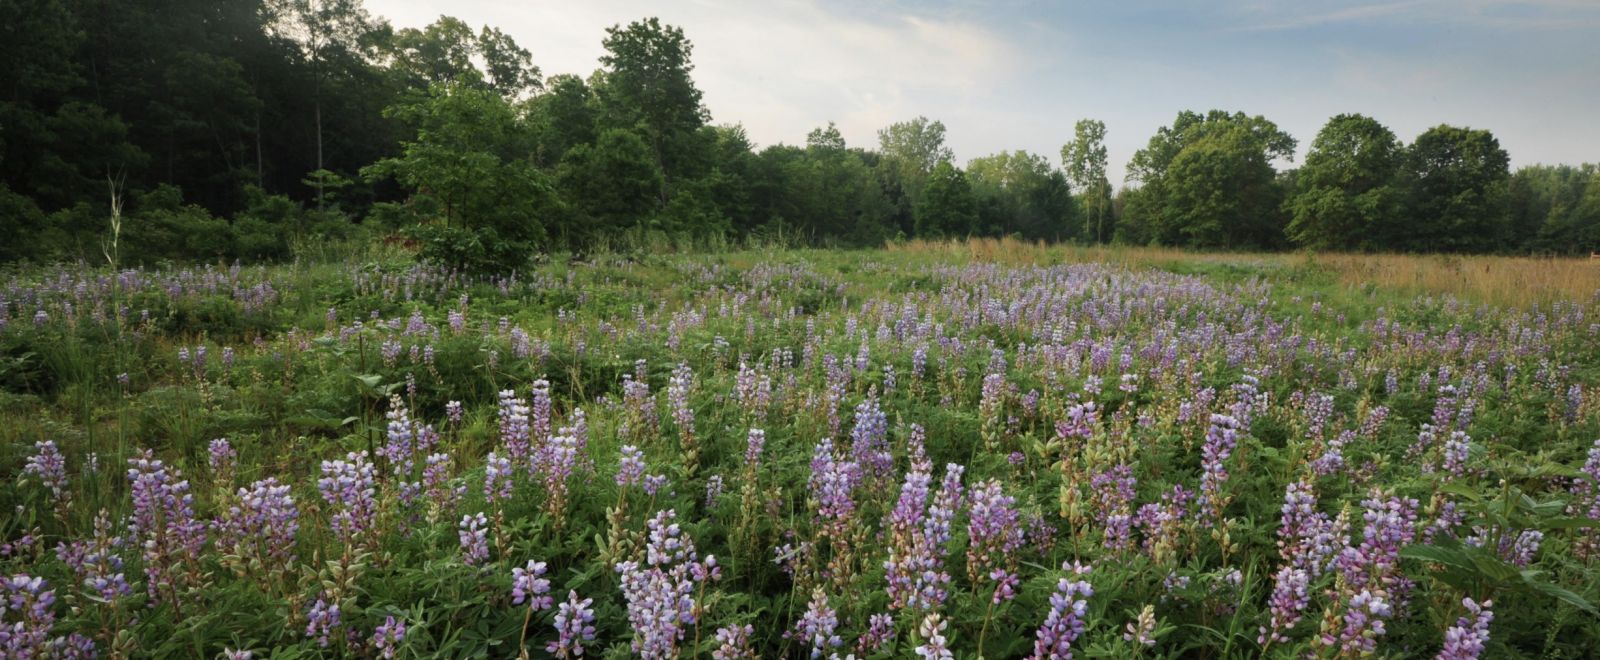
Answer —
516 434
50 467
1363 619
713 490
733 643
497 472
654 483
1290 596
322 620
755 443
1113 498
453 411
1065 622
660 592
474 534
1221 438
574 626
221 457
348 487
1466 639
388 636
631 470
261 523
1142 629
1454 459
164 523
934 645
833 483
28 637
528 585
994 531
869 441
880 632
816 627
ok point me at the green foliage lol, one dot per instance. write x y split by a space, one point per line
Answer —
948 208
1346 193
1457 181
1207 181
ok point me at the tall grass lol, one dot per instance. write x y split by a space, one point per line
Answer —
1499 280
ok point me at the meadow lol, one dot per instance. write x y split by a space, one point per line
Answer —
985 448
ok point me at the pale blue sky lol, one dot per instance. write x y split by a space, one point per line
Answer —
1016 74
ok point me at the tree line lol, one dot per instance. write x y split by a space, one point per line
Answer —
232 129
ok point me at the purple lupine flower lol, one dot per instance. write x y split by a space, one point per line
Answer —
1363 621
934 645
1516 549
816 627
262 524
1221 438
1466 639
833 483
436 477
96 562
1290 596
654 483
164 523
560 456
386 639
678 388
1113 500
1391 524
904 527
869 440
660 593
1005 585
1065 622
474 535
50 467
29 636
453 411
497 474
528 585
322 620
574 626
755 443
348 487
1456 448
221 458
631 470
994 529
880 632
516 434
733 643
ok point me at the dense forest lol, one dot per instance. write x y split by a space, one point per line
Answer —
135 132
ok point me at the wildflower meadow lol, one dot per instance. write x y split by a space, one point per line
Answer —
794 454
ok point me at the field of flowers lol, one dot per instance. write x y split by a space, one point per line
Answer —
792 454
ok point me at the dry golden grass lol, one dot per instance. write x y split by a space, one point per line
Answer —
1499 280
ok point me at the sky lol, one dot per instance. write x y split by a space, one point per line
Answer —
1018 74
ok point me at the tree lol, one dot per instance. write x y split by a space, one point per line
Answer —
916 147
326 31
609 186
1020 193
1456 180
1345 194
647 87
563 118
948 208
1219 193
1230 172
1085 161
467 167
